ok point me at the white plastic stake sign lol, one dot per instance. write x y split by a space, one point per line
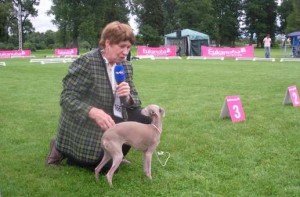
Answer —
233 108
292 96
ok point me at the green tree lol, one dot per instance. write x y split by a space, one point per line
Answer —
284 10
67 16
293 20
227 17
260 18
9 19
150 20
27 10
171 21
90 28
115 10
85 19
50 39
196 15
5 7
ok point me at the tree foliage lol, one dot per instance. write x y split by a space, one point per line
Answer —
260 18
9 18
85 19
196 16
80 21
150 21
293 20
284 11
5 7
27 8
227 18
170 20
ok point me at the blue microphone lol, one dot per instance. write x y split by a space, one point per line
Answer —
120 75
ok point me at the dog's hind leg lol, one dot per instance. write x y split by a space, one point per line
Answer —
105 159
117 157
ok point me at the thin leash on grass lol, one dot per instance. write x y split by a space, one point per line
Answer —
161 153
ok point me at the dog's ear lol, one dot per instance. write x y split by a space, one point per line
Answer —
162 112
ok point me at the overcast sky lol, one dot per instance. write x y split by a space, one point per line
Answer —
42 22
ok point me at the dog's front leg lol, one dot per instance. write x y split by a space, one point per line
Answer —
147 163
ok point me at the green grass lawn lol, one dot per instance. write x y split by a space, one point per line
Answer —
209 156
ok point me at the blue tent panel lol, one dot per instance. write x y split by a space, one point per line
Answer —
293 34
296 48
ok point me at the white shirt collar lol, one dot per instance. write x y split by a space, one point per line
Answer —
110 72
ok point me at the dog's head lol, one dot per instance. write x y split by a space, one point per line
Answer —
153 110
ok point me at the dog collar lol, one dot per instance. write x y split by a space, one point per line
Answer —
156 128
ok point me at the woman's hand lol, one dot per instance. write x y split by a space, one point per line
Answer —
103 120
123 90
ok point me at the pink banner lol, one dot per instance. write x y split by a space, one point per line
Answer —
63 52
157 51
16 53
247 51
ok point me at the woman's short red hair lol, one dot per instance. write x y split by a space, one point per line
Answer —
116 32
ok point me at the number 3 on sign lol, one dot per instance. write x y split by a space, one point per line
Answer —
235 108
237 113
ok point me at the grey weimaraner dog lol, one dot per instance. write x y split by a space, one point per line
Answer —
144 137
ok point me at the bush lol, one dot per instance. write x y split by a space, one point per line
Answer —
85 45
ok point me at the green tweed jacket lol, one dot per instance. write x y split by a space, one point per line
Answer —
87 85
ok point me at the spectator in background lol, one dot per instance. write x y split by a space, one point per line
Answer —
267 44
178 51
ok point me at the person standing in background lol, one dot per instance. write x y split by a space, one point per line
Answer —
267 44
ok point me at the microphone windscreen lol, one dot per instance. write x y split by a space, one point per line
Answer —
119 73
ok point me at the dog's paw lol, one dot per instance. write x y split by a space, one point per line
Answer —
125 162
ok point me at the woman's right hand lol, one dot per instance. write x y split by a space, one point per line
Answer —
102 119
